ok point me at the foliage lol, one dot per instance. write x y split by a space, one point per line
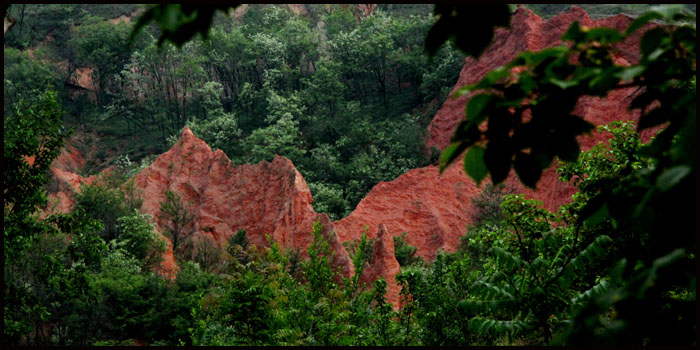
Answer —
138 237
614 266
405 253
22 74
487 206
460 24
279 84
178 218
179 23
648 199
33 129
101 45
104 204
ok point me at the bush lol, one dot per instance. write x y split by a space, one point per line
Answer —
138 237
104 204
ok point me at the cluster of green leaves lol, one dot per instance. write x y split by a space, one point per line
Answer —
262 301
529 277
405 254
617 265
49 24
529 113
23 73
529 121
64 284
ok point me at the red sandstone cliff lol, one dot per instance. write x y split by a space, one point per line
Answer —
265 198
530 32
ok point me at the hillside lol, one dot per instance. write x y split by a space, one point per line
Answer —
273 198
279 184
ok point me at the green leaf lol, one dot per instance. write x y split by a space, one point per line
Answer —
629 73
605 81
574 33
654 117
651 40
474 164
498 160
437 35
563 84
596 217
641 21
642 100
604 35
595 291
451 153
566 147
671 177
505 258
528 169
476 107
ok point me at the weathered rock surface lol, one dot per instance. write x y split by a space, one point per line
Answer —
265 198
435 209
65 180
384 265
530 32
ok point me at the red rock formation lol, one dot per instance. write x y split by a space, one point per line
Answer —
435 209
530 32
384 265
265 198
272 197
65 180
432 209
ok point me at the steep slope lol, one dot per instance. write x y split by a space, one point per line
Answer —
65 180
530 32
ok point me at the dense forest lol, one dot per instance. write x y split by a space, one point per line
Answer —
346 94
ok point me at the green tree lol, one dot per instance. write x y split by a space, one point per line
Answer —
648 199
101 46
33 130
178 217
23 73
405 253
105 204
137 236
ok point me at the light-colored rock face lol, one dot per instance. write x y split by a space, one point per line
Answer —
268 198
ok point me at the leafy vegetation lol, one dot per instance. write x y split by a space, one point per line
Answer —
614 266
642 199
346 98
